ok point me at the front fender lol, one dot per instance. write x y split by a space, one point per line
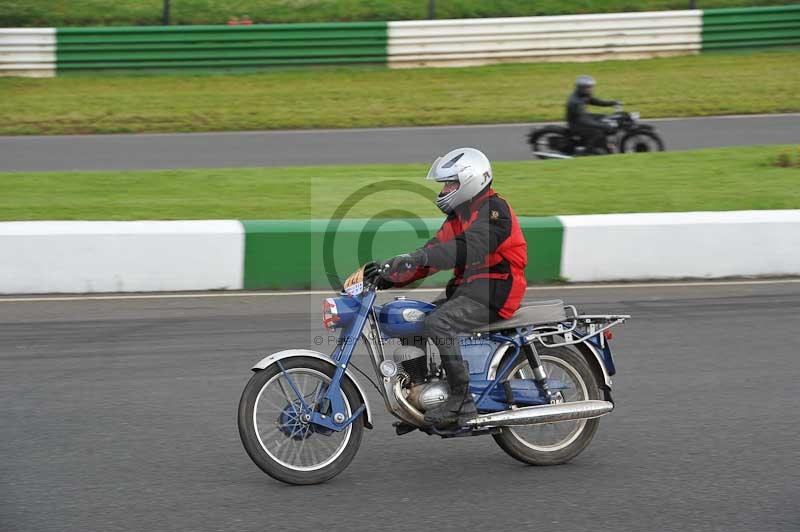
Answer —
267 361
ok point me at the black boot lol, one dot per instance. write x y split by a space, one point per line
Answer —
459 406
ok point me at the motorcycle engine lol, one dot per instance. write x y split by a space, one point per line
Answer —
423 393
413 362
429 395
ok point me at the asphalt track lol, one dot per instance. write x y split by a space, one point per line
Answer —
121 415
348 146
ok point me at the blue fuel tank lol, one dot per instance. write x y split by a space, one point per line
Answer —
403 317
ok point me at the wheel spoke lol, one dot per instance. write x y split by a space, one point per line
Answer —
313 453
313 404
285 394
298 451
302 387
278 407
267 435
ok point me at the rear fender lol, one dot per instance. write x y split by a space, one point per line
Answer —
267 361
596 362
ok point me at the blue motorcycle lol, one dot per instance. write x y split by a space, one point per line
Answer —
540 381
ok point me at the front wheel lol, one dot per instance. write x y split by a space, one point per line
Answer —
554 443
276 435
641 141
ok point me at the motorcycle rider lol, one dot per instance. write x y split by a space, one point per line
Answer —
589 126
482 242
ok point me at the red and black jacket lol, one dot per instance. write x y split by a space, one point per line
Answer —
484 245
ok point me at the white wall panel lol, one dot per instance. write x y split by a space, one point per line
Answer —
577 38
83 257
28 52
680 245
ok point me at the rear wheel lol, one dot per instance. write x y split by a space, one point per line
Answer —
554 443
641 141
276 434
550 142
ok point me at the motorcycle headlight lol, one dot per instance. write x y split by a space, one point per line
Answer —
634 116
330 314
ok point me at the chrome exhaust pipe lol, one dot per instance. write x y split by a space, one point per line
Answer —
550 155
534 415
406 409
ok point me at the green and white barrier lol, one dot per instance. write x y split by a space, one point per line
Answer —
46 51
84 257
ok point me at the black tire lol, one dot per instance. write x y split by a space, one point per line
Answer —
640 141
551 135
511 441
258 454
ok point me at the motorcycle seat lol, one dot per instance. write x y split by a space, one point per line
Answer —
535 313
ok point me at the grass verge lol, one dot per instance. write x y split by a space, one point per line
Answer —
103 12
714 179
708 84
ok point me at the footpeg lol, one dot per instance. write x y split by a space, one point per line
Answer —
401 428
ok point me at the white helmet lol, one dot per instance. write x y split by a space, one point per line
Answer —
467 167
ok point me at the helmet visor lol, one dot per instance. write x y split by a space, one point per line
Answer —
432 171
450 187
436 173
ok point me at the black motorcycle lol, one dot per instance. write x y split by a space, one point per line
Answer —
626 134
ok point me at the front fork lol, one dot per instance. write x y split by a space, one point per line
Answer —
331 403
331 414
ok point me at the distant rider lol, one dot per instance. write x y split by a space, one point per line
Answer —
589 126
481 241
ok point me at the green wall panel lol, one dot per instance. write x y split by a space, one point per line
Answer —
756 27
315 254
265 45
545 237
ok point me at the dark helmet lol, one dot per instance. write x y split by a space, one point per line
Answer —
584 84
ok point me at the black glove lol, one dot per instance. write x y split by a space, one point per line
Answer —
405 263
372 274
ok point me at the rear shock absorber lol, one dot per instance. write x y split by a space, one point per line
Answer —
539 374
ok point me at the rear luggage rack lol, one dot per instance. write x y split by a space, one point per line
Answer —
570 329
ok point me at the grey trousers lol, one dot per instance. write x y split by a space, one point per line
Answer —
454 316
